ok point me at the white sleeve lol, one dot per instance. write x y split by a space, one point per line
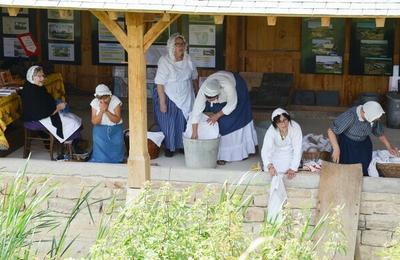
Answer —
195 74
162 72
268 147
232 99
297 140
115 101
198 107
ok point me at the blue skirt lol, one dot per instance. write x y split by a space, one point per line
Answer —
172 123
240 116
108 144
355 152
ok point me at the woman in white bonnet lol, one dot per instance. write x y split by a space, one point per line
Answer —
281 151
349 135
40 109
173 97
225 95
108 142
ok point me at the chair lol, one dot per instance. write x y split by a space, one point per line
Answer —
33 131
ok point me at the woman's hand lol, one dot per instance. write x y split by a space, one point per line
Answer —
214 118
336 155
163 107
271 169
103 106
393 151
61 106
290 173
194 136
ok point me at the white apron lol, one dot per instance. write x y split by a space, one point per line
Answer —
70 123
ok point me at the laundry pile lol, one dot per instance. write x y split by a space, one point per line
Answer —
381 156
312 144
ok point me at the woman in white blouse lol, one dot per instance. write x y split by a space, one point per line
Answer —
281 151
225 95
173 98
108 142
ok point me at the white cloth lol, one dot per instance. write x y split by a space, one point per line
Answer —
283 154
237 145
70 123
114 102
227 94
277 197
372 110
316 143
156 137
278 112
380 156
176 77
205 131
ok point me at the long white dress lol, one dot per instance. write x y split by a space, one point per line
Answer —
283 154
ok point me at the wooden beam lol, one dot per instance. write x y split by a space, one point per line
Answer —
380 22
155 31
63 13
325 21
113 27
13 11
218 19
113 15
232 44
166 17
139 159
271 20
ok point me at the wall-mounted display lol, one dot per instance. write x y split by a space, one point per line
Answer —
62 41
111 53
322 47
11 28
371 48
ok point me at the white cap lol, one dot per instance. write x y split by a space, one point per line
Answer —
212 88
278 112
372 111
102 90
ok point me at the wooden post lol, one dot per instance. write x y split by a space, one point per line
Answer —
271 20
139 160
113 15
231 44
325 21
380 22
218 19
13 11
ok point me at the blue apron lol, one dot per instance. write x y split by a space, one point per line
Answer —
108 144
240 116
355 152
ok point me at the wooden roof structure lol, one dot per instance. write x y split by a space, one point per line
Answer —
135 40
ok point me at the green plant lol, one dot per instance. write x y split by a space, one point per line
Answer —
297 238
392 249
167 224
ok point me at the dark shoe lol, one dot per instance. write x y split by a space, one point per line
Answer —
181 151
168 153
221 162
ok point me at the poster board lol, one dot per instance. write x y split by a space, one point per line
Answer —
62 37
322 47
371 48
11 28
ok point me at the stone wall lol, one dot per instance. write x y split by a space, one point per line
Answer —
380 202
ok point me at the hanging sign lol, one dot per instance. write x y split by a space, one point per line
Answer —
29 45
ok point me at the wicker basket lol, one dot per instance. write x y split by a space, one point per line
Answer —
309 156
390 170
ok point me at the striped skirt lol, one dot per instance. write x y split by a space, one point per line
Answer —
172 123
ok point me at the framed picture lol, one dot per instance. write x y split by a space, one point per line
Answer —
15 25
202 34
12 48
111 53
203 57
61 52
56 15
105 35
60 31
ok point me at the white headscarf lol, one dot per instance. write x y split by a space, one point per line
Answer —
212 88
372 111
278 112
171 45
29 73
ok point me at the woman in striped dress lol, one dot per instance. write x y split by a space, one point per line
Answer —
349 135
174 95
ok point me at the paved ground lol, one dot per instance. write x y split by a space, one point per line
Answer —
310 121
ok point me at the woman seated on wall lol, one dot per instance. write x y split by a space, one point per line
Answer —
281 151
108 141
39 109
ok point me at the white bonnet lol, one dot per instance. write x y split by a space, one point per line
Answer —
212 88
372 110
278 112
171 44
102 90
29 73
